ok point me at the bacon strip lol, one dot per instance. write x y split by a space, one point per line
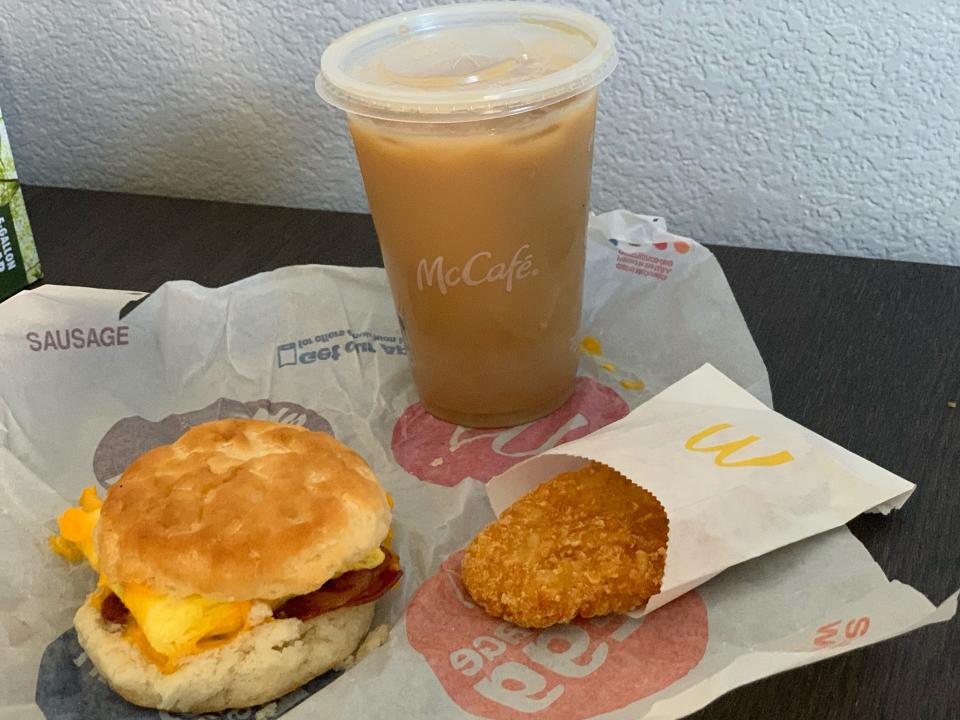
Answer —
113 610
356 587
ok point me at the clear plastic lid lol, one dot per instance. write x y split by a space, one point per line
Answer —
473 61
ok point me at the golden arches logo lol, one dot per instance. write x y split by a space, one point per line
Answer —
725 450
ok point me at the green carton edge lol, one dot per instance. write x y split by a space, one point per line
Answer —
12 195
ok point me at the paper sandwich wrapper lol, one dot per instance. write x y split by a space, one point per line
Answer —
72 414
737 480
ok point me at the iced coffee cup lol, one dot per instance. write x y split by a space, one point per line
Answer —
473 127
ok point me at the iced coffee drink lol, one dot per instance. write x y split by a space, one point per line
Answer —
478 178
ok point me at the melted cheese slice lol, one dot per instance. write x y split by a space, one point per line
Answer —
76 525
167 628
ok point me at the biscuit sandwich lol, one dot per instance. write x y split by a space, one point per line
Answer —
235 565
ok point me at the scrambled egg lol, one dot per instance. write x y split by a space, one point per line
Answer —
167 628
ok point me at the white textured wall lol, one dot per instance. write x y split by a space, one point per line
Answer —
820 125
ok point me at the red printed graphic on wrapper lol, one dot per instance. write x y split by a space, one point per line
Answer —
680 246
639 258
568 672
444 454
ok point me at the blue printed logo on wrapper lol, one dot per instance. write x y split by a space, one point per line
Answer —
130 437
332 346
68 685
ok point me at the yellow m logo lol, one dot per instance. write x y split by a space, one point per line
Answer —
727 449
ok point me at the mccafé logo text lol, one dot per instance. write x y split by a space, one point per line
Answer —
478 270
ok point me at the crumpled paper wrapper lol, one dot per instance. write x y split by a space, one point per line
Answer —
83 393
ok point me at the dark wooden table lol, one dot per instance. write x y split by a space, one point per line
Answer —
864 352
